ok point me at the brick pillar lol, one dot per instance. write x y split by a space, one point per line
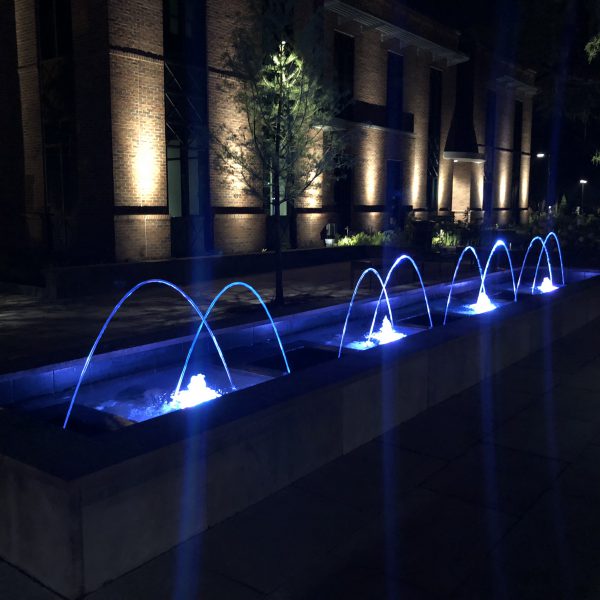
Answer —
33 166
416 99
13 236
91 217
141 221
239 218
445 176
525 158
506 108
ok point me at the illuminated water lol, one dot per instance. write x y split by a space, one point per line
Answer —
385 335
114 312
396 264
197 392
356 287
458 263
544 250
550 236
209 310
546 286
483 304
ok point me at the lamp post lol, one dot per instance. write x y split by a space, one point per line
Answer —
582 182
542 156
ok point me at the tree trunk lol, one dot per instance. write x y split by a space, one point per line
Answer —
277 200
278 253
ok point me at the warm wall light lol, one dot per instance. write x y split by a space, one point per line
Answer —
146 171
416 184
370 187
502 190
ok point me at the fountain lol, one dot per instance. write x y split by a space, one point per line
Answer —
544 249
460 258
114 312
206 315
546 286
385 335
397 263
383 291
483 303
198 392
548 237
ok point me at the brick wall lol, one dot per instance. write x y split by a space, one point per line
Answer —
416 98
33 166
13 236
139 237
243 232
138 132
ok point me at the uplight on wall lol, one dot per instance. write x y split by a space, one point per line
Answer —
146 171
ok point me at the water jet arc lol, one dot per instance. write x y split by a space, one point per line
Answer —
543 249
383 292
207 313
562 269
474 252
398 262
114 312
499 244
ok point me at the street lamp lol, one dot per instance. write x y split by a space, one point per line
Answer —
582 182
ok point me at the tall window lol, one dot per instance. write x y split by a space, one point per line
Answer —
186 107
515 188
433 137
343 54
55 50
395 90
490 153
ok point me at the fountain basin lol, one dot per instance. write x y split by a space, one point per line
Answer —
70 496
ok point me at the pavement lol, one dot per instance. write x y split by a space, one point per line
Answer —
35 331
492 494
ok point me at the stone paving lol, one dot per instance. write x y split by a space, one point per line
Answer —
34 330
492 494
37 331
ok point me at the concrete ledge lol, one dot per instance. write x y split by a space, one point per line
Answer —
84 510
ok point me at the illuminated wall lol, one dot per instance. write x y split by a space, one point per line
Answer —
142 226
416 99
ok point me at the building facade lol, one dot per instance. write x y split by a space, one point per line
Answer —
108 105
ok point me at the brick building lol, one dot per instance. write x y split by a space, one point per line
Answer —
106 107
